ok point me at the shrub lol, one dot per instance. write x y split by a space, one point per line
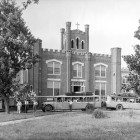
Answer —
90 108
98 113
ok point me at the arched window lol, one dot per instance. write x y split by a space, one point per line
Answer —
77 69
77 43
72 44
54 67
100 70
83 47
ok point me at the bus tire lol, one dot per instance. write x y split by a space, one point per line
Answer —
119 107
48 108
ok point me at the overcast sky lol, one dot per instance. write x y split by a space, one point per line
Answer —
112 22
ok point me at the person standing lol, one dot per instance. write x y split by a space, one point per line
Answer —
70 105
19 104
26 105
35 103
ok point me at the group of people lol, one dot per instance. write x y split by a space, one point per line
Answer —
26 102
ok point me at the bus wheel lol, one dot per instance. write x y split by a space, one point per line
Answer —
48 108
119 107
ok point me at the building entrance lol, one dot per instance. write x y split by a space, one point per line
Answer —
78 86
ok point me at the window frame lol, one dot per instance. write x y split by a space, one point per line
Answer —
53 61
77 70
83 43
72 41
100 88
100 71
77 43
53 83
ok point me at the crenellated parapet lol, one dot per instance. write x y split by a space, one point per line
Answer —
59 52
101 55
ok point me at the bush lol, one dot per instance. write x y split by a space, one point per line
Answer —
90 108
98 113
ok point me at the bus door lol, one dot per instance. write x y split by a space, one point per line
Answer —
97 101
58 103
65 103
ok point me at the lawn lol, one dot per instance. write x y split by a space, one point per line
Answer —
77 125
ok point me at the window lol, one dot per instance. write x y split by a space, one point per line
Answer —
72 44
100 88
83 45
100 71
24 76
78 86
97 89
77 43
77 70
54 67
124 80
53 88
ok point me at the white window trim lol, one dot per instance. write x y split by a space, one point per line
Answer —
54 60
77 62
78 80
52 79
99 81
99 64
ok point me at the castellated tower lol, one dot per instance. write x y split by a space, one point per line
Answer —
116 70
74 40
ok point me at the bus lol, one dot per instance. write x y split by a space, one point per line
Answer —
61 102
120 102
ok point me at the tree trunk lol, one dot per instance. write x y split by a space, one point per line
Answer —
6 104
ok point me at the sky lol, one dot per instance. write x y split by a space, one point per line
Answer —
112 23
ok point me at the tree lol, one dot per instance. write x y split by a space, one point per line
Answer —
133 63
16 44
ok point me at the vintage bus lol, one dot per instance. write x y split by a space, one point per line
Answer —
119 102
61 102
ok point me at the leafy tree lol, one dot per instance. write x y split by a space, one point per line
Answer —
133 63
16 44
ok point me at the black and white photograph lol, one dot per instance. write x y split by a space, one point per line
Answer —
69 70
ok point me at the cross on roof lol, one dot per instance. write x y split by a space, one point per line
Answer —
77 25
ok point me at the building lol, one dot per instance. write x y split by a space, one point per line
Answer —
125 74
74 69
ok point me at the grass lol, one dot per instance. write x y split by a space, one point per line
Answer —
15 116
77 126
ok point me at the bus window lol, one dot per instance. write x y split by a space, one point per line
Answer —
89 99
137 100
125 100
118 99
113 98
59 99
132 100
96 99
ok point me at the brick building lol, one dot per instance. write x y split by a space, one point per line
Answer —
73 68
